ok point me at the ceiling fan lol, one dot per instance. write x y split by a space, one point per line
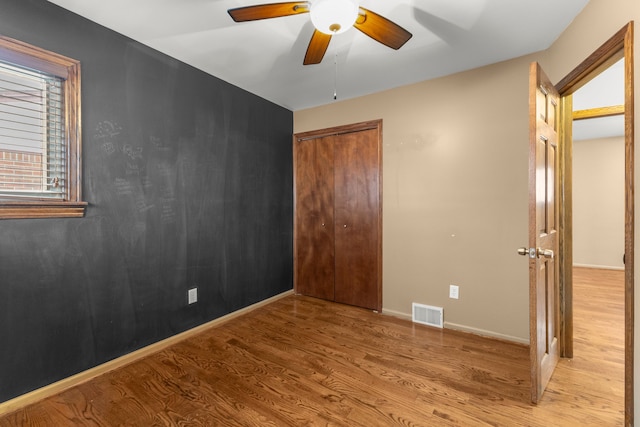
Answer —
329 17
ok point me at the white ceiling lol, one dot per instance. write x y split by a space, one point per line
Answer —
605 90
265 57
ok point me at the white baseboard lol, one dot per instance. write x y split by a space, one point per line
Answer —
463 328
406 316
485 333
66 383
602 267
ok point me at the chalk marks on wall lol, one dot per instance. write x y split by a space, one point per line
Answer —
142 172
167 213
132 152
123 187
106 135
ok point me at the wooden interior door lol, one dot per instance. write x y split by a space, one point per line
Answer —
357 218
543 230
314 218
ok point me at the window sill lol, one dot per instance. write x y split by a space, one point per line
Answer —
41 209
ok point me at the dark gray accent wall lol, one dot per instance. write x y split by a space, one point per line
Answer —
189 184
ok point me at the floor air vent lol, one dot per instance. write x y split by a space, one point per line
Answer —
427 315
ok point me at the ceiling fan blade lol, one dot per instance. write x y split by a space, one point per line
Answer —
381 29
271 10
317 47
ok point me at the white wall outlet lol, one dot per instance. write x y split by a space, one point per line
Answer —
192 295
454 291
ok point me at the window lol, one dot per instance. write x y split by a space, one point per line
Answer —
40 144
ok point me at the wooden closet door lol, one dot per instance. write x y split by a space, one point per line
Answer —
357 219
314 218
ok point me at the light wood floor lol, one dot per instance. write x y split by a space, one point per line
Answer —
302 361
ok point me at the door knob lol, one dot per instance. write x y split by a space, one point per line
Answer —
547 253
533 252
527 251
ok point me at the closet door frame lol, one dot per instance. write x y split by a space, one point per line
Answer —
336 131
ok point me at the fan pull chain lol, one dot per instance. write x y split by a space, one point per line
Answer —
335 77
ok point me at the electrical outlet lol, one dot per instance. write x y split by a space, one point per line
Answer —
192 295
454 291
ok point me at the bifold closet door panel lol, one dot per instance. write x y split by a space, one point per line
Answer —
357 218
314 246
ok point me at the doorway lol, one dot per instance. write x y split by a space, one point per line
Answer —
620 46
598 229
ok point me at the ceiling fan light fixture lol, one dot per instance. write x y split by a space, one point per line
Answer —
334 16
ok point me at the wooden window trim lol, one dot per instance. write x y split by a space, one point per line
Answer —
68 69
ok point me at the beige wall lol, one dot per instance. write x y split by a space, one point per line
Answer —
455 180
598 202
454 193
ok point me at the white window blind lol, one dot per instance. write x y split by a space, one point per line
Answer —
32 135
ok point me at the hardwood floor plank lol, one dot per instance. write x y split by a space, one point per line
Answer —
300 361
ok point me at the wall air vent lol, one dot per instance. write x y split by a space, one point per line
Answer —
428 315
